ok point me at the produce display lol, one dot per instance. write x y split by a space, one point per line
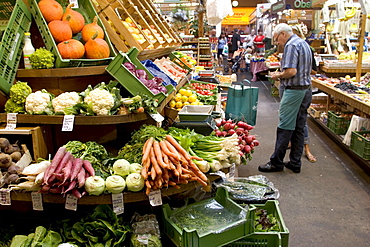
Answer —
186 59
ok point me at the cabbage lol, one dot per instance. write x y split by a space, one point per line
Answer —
121 167
134 182
95 185
135 168
115 184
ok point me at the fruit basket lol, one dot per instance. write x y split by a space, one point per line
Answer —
339 122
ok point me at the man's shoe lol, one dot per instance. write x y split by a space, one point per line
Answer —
292 168
270 168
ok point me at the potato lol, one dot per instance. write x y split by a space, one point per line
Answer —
16 156
4 143
5 160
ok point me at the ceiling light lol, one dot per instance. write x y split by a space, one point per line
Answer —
235 3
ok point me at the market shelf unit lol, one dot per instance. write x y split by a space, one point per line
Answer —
201 50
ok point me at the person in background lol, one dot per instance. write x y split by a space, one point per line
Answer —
248 57
235 41
307 151
258 42
222 41
295 80
249 40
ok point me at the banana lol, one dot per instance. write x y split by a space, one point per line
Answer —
350 12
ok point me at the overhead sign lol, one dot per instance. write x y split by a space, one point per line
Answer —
240 17
298 4
277 7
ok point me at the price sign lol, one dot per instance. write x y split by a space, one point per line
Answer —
75 3
155 198
68 122
5 197
11 121
117 200
232 172
37 201
71 202
157 117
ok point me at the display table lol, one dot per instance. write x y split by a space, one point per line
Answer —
256 67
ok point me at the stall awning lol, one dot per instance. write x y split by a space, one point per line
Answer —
240 17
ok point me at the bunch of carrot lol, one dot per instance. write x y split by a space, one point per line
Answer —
66 174
166 163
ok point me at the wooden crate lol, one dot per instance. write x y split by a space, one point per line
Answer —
36 137
112 14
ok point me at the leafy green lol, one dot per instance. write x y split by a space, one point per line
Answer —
40 233
153 241
265 222
18 240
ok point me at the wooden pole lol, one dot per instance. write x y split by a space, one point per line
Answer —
360 50
201 24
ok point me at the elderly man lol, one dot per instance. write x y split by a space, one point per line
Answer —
295 81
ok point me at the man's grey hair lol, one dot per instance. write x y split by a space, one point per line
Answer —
283 27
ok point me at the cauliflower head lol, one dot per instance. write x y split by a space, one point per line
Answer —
19 92
65 103
39 103
42 59
100 100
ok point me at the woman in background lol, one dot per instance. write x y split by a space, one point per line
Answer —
222 41
258 42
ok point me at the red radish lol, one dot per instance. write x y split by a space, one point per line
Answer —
76 193
247 149
227 126
231 132
243 142
256 143
241 153
71 186
67 170
45 188
223 121
241 147
249 127
240 138
249 139
67 156
224 133
59 176
218 124
232 125
88 167
81 177
246 132
229 121
239 131
218 133
56 190
77 164
251 144
54 163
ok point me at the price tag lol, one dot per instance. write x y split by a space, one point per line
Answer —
232 173
157 117
75 3
155 198
117 200
71 202
37 201
68 122
5 197
11 121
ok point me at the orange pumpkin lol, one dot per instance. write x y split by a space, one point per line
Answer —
96 48
90 29
60 30
71 49
51 10
75 19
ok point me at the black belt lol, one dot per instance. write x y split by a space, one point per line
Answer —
298 87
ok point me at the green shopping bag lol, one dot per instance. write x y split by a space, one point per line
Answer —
242 103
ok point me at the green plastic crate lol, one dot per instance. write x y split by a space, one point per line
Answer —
190 237
360 144
179 62
12 42
129 80
272 207
87 10
339 125
267 239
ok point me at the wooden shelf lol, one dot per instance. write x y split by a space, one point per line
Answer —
128 197
342 70
62 72
79 120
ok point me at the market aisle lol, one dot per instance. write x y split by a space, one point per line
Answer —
327 204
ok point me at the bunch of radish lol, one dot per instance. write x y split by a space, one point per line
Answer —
247 142
66 174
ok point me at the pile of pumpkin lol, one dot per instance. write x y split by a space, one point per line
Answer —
63 25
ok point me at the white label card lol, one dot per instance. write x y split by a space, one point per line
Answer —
11 121
68 122
37 201
5 197
75 3
157 117
117 200
155 198
232 173
71 202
